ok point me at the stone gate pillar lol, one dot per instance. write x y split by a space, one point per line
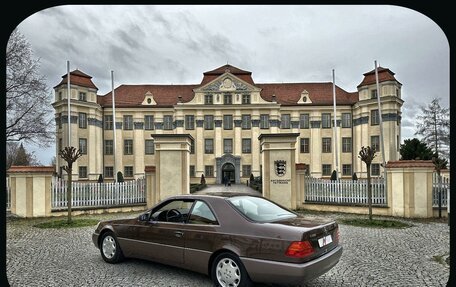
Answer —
278 161
172 165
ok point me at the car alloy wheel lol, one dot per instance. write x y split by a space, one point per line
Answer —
228 271
109 246
110 249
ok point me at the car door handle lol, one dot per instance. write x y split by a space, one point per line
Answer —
178 234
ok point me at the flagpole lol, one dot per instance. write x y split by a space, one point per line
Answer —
380 120
68 103
114 125
335 125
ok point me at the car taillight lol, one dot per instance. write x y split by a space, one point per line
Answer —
299 249
337 236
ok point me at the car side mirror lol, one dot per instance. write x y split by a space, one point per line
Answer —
143 217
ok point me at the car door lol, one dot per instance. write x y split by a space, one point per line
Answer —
163 239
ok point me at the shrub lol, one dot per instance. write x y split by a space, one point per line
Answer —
334 175
100 178
120 177
354 177
203 180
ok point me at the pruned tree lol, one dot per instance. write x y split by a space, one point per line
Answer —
367 154
120 177
16 154
28 106
433 124
70 154
334 175
415 149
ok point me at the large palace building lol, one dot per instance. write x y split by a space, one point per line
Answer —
225 114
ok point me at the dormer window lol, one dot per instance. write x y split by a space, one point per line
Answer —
148 99
304 99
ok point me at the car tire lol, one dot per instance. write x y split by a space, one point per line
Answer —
228 271
110 248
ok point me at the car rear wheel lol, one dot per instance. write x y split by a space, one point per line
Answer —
110 249
228 271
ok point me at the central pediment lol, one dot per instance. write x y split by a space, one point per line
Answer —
227 83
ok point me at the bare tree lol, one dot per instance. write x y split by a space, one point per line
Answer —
367 154
28 106
434 126
70 154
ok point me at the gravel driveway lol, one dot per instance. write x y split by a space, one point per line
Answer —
372 257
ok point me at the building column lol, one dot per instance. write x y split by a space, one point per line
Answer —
199 147
278 159
315 147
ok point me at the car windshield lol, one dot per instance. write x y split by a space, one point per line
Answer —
259 209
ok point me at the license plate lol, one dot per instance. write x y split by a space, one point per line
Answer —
324 240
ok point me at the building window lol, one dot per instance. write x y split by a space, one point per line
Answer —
375 120
228 145
208 122
246 170
346 145
189 122
128 122
326 169
208 170
59 121
246 122
60 147
346 169
228 122
227 99
326 120
109 172
375 143
208 99
83 171
285 121
374 94
346 120
60 96
83 145
167 122
82 96
83 120
304 143
192 171
208 146
375 169
246 99
326 144
128 171
108 147
304 121
149 147
128 147
149 122
192 146
264 121
246 145
108 122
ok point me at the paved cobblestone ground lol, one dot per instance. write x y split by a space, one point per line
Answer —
371 257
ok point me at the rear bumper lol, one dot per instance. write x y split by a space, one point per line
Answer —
265 271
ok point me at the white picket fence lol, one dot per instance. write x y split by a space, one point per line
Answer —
92 194
344 192
443 187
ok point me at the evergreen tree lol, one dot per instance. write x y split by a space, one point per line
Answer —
415 149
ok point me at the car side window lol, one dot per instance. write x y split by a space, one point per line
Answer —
174 211
202 214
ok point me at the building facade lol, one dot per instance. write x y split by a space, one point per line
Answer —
225 114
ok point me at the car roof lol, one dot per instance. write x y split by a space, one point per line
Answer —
223 194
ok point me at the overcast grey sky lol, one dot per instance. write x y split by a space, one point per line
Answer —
164 44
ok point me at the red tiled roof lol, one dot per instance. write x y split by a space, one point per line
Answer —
133 95
31 169
78 78
384 74
409 163
319 93
212 75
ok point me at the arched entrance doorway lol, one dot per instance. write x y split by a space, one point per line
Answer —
228 172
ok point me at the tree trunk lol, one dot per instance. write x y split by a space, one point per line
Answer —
69 196
369 192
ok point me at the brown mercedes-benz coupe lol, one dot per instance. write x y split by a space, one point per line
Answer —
235 238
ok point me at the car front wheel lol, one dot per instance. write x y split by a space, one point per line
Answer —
228 271
110 249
